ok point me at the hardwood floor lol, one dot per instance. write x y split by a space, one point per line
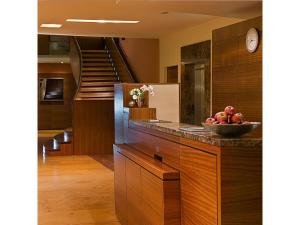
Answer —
75 190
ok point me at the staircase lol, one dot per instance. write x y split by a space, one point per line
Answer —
95 72
97 76
61 144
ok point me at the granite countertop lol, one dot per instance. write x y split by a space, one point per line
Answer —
204 136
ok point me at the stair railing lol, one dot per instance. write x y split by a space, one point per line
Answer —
121 67
76 61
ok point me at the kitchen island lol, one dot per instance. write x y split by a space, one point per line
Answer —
219 179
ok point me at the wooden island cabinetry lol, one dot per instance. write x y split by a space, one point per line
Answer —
167 176
147 192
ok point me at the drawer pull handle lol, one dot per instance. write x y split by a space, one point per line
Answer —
158 157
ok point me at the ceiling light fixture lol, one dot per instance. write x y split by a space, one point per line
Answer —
102 21
51 25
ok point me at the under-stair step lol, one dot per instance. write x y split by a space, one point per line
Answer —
98 68
96 95
98 73
96 84
96 60
96 89
96 50
96 64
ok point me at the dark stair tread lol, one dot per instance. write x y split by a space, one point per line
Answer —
104 64
60 138
105 78
96 89
100 73
96 60
110 68
95 50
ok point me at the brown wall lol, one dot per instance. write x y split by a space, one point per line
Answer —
143 57
236 73
93 127
56 115
43 44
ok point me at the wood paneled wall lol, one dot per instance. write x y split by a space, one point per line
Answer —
143 57
236 73
56 115
43 44
93 127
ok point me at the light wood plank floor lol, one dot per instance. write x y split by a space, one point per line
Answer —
75 190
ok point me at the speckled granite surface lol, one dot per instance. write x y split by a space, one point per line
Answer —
202 136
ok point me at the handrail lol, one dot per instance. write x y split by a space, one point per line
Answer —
78 56
75 59
121 67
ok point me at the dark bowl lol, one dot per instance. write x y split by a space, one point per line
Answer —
232 130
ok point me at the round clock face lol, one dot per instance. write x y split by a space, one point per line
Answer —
252 40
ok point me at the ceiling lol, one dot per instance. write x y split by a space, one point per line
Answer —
154 22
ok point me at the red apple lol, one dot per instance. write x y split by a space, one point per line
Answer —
237 118
221 116
229 110
217 114
210 120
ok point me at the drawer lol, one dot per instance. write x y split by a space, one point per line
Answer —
151 145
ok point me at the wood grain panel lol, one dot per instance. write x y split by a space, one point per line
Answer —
151 145
134 193
241 190
237 74
155 167
142 113
120 187
160 200
93 127
172 74
56 115
152 199
198 180
43 44
171 203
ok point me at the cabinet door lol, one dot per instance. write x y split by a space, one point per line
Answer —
152 199
198 179
134 198
120 187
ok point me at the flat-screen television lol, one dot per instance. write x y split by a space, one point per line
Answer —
52 89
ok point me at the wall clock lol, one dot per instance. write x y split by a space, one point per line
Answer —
252 40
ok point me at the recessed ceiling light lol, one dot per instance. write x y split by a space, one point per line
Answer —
51 25
102 21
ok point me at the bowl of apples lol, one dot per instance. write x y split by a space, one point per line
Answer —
229 123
